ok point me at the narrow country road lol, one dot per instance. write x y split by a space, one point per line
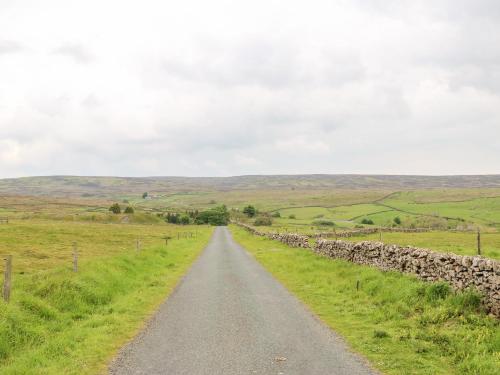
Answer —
230 316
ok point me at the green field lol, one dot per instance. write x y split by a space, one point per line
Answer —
402 325
460 243
61 322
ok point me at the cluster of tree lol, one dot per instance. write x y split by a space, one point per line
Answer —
116 209
175 218
250 211
213 216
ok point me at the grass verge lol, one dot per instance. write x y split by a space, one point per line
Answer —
401 324
59 322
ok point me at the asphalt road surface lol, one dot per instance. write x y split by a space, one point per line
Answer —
230 316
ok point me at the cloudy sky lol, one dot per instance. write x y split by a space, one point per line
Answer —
215 88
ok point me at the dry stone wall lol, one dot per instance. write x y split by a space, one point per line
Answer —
290 239
461 272
357 232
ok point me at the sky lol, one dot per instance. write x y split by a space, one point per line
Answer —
219 88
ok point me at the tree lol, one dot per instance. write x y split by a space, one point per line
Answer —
214 216
115 208
250 211
397 220
172 218
144 195
184 220
129 210
276 214
292 216
367 221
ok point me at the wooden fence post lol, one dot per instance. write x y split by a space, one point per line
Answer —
380 234
357 285
7 278
138 245
478 241
75 257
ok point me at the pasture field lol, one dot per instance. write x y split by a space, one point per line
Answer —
44 244
460 243
263 199
59 321
402 325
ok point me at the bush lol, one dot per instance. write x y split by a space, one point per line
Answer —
263 220
397 220
129 210
323 223
184 219
250 211
144 195
367 221
276 214
214 216
292 216
172 218
115 208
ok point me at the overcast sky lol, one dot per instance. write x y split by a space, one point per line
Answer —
215 88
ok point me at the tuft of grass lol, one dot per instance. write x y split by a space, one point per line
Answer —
401 324
61 322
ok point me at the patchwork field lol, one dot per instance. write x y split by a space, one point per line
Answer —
59 321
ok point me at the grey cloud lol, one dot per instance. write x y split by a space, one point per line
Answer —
272 64
9 46
91 102
75 51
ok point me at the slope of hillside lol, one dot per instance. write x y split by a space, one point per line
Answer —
112 186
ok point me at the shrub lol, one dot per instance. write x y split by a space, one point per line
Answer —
397 220
214 216
184 219
292 216
115 208
367 221
324 223
276 214
172 218
263 220
129 210
144 195
250 211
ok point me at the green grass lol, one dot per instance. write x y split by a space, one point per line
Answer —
461 243
402 325
481 210
43 244
59 322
